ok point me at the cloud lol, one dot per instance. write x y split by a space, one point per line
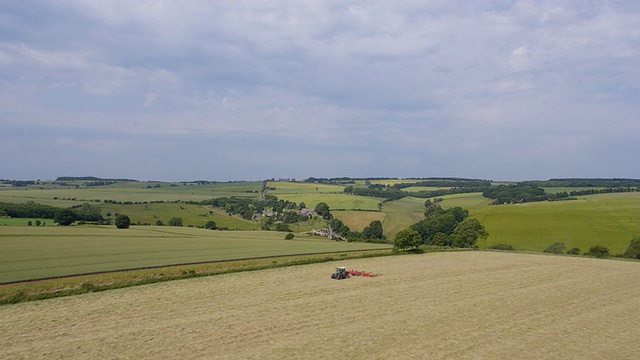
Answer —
425 81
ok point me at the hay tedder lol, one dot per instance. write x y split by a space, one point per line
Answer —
343 273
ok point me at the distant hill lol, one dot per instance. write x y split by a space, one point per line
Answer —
90 178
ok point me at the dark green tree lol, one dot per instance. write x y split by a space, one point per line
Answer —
322 209
573 251
555 248
175 221
406 239
598 251
373 231
64 217
122 221
633 250
467 233
211 225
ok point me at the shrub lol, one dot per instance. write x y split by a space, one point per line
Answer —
122 221
211 225
159 223
573 251
501 247
633 250
555 248
175 221
289 236
598 251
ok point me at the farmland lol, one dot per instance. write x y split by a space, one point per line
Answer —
611 220
36 252
441 305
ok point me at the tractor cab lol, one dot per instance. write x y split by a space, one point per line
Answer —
341 273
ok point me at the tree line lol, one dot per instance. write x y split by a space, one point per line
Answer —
84 212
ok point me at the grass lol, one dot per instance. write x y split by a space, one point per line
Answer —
192 215
401 214
338 201
485 305
358 220
37 252
611 220
133 191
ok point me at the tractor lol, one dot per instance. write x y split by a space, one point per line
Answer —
341 273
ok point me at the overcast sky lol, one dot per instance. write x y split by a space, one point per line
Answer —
249 90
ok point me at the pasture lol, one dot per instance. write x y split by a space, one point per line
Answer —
36 252
64 196
440 305
611 220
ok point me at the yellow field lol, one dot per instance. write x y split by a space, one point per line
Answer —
358 220
443 305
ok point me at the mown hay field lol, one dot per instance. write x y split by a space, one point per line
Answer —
463 305
37 252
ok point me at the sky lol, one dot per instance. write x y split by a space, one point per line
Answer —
252 90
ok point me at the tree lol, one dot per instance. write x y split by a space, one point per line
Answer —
122 221
29 223
573 251
38 222
633 250
64 217
289 236
467 233
211 225
175 221
322 209
407 239
555 248
598 251
302 205
373 231
159 223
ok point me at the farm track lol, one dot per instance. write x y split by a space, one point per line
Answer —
441 305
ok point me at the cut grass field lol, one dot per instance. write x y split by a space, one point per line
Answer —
611 220
37 252
442 305
358 220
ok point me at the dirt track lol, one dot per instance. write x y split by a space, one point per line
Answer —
443 305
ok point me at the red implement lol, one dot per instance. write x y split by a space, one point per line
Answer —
360 273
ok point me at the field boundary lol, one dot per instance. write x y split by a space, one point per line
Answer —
13 282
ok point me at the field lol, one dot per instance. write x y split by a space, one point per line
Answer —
132 191
611 220
358 220
36 252
443 305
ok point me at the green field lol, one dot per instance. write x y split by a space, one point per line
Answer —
611 220
401 214
131 191
35 252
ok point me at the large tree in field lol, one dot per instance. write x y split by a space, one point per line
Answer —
64 217
122 221
407 239
322 209
467 233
